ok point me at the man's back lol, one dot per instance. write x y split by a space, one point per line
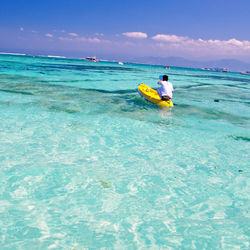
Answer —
166 88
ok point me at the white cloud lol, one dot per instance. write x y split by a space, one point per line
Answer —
73 34
135 34
169 38
49 35
94 40
235 42
21 29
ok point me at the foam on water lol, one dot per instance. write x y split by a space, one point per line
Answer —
87 163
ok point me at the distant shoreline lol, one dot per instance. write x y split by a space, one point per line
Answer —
178 64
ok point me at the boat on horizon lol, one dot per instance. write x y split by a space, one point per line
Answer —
216 69
245 73
91 59
120 63
223 70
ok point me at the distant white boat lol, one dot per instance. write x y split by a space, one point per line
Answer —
223 70
245 73
207 69
91 59
120 63
215 69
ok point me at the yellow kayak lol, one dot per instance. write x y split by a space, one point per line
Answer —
151 95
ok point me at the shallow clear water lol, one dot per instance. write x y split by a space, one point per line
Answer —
87 163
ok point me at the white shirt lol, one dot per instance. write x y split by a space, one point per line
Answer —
166 89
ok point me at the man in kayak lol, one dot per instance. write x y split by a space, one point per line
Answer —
166 90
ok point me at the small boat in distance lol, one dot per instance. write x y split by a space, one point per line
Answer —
245 73
166 67
120 63
223 70
91 59
215 69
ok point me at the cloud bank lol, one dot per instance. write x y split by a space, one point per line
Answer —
189 43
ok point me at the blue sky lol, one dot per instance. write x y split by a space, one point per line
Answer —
199 29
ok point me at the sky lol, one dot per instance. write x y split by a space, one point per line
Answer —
194 29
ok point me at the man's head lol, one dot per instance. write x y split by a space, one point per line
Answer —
163 78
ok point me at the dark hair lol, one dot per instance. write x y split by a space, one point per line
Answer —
165 78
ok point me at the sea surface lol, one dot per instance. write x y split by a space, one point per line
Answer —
86 163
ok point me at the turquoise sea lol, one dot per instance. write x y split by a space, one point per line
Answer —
86 163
